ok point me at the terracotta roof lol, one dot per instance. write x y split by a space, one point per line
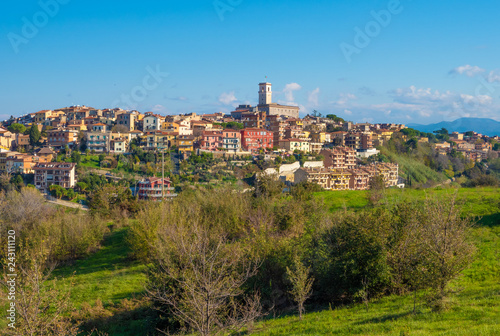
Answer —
45 150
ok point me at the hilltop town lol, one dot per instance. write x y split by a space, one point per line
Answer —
327 150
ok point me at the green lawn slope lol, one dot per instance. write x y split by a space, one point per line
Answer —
110 276
474 307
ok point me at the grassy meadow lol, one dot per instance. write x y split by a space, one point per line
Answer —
108 285
473 307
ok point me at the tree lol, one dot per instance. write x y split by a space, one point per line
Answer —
34 135
70 194
299 276
377 189
316 113
41 304
269 186
335 118
16 128
120 129
204 276
76 157
17 181
57 191
446 247
81 186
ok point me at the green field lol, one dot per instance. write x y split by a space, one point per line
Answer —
110 276
474 307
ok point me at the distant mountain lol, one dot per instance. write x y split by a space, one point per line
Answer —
484 126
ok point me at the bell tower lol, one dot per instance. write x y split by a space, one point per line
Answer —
265 94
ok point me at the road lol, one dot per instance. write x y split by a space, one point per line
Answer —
56 201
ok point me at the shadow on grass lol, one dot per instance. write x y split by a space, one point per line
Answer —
385 318
128 318
114 255
490 220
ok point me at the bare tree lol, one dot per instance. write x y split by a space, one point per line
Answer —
40 305
446 245
206 274
302 283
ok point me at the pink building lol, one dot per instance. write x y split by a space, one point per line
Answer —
212 140
231 140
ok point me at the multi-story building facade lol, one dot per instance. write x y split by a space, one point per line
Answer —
315 147
58 138
127 119
360 180
152 122
47 174
292 145
231 140
4 154
41 116
99 139
211 140
155 189
253 139
328 179
277 125
20 163
339 157
184 143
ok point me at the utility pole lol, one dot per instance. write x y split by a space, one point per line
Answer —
163 174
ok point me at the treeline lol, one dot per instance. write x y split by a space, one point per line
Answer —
347 256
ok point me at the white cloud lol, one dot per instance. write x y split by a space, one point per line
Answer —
159 108
494 77
468 70
423 105
227 98
344 98
289 89
314 97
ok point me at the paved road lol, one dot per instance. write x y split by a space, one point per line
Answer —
53 200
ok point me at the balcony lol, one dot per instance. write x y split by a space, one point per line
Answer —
156 189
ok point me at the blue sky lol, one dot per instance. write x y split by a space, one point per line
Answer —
419 62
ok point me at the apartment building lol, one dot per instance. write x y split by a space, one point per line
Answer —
152 122
211 140
61 137
127 119
47 174
154 188
184 143
231 140
290 145
252 139
20 163
99 139
4 154
339 157
328 179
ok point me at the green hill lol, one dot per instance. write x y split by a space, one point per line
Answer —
108 286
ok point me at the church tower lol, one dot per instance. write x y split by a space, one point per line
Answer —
265 94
